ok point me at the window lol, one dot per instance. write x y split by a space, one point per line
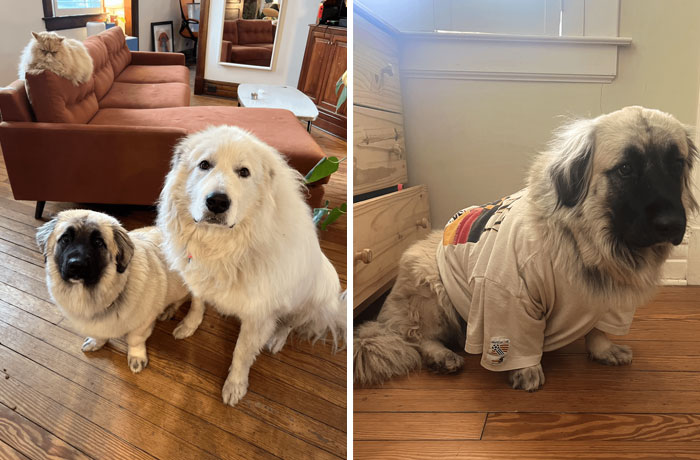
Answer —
75 7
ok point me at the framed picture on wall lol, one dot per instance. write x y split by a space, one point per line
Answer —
162 36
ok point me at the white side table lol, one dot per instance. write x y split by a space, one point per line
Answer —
278 97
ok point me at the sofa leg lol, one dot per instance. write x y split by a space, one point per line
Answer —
39 209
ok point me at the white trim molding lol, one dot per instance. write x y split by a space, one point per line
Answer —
479 56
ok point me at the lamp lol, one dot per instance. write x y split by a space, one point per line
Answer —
115 9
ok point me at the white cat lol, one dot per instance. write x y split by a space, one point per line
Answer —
63 56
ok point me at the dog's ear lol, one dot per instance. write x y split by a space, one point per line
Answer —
43 234
571 168
125 247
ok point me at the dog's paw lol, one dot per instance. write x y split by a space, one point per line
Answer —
183 330
233 391
446 362
91 344
614 355
528 378
168 313
137 363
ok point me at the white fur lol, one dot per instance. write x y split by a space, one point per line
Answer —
262 262
121 304
65 57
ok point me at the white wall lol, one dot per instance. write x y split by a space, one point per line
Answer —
296 15
15 33
158 11
472 141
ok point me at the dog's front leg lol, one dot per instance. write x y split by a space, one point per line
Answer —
191 321
136 347
251 339
601 349
528 378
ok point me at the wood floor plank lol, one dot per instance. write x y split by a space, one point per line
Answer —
110 415
418 426
489 450
132 392
32 440
90 438
592 427
508 400
9 453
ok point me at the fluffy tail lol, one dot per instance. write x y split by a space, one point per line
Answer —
380 353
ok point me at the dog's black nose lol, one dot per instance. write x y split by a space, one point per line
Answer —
218 202
669 226
76 268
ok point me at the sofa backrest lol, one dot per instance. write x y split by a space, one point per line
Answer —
14 104
56 100
254 31
231 31
102 71
119 54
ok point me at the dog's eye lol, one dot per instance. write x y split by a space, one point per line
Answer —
679 164
64 239
625 170
99 242
243 172
204 165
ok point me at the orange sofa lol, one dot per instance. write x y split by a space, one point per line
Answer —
110 139
248 41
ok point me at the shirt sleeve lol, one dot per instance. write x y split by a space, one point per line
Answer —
513 327
616 321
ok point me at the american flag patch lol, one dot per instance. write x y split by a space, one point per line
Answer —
498 350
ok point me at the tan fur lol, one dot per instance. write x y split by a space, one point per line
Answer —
63 56
418 316
121 304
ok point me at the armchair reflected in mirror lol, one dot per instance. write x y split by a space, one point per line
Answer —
250 32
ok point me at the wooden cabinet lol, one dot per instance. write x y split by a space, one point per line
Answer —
384 226
325 61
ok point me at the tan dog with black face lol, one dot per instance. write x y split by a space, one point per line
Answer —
108 282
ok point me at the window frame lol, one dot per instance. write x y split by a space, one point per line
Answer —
58 12
73 21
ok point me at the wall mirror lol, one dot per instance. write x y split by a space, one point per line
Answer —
250 32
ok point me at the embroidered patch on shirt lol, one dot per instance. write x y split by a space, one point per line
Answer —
498 351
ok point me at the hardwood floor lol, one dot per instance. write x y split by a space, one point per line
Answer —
650 409
56 401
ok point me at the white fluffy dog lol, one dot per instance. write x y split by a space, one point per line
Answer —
237 228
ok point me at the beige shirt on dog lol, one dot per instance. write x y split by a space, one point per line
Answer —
502 282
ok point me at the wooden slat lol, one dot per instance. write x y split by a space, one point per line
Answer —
387 226
592 427
90 438
379 150
489 450
194 415
9 453
418 426
32 440
376 62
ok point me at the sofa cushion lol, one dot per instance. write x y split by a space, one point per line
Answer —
247 54
102 67
155 74
277 127
56 100
231 31
119 54
254 31
146 96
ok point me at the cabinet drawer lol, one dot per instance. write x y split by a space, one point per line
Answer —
376 63
379 150
384 227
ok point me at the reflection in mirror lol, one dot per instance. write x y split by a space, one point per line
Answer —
249 32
